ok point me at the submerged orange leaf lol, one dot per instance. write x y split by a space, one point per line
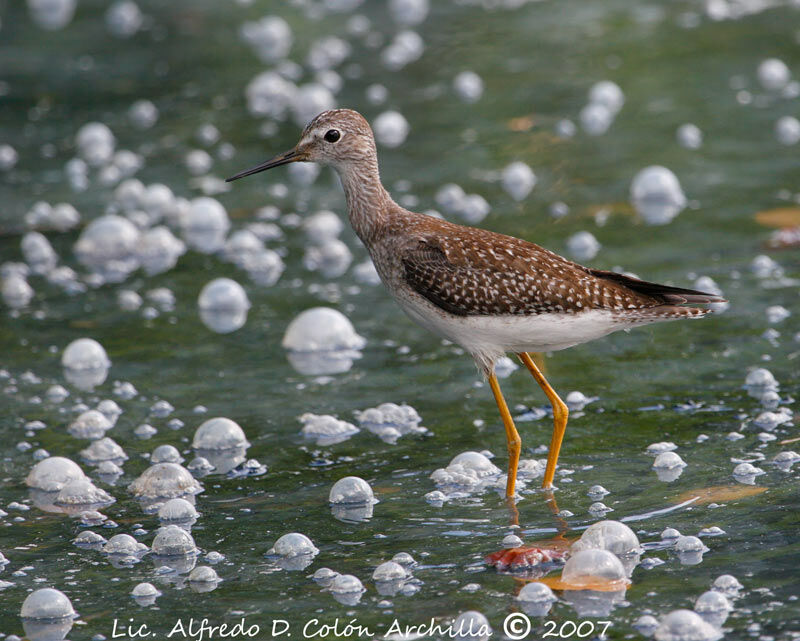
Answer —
597 583
523 123
780 217
719 493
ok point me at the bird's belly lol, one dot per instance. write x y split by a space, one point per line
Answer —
489 337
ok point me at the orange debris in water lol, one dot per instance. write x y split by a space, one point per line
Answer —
719 493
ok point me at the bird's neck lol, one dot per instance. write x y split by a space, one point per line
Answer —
368 203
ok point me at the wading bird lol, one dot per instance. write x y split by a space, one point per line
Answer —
485 291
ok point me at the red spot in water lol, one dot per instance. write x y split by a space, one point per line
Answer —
523 558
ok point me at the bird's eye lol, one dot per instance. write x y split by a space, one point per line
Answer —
332 135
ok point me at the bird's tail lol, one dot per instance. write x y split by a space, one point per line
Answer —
665 293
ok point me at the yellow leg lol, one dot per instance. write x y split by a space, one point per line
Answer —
560 415
512 436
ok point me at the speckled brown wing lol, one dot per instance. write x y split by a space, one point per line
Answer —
495 274
508 276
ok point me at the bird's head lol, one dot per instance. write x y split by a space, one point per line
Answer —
341 138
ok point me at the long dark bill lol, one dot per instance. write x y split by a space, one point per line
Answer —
293 155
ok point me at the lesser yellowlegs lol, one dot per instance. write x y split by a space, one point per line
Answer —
487 292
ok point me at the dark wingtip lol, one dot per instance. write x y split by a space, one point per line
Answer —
695 298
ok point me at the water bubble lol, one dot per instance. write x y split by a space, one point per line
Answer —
219 434
608 94
657 195
201 466
436 498
325 429
165 481
612 536
104 449
52 474
310 100
689 136
770 420
597 492
389 571
667 460
158 250
47 603
646 625
583 245
777 314
198 162
773 74
714 607
143 114
16 291
405 48
8 157
75 495
145 430
303 173
223 305
389 421
576 401
746 473
269 94
408 12
203 574
145 590
450 197
293 544
685 625
468 470
327 53
108 247
759 381
52 14
85 363
95 144
565 128
264 268
471 626
38 252
322 226
89 539
596 118
205 225
110 410
787 130
347 589
588 565
172 540
331 259
351 490
391 129
728 585
324 577
166 454
177 511
536 599
322 341
785 460
270 38
689 544
518 180
90 424
125 545
468 86
124 18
